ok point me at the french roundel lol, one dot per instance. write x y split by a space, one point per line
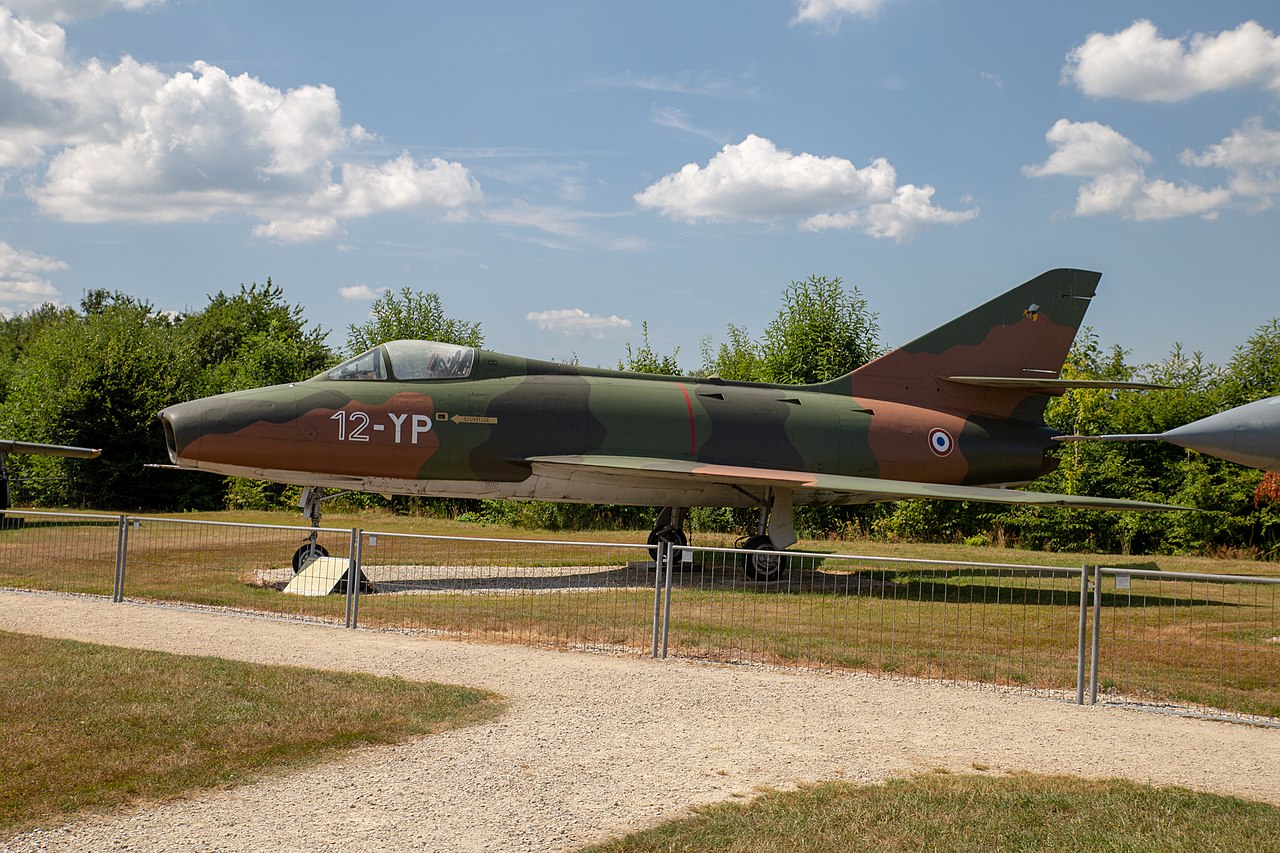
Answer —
940 441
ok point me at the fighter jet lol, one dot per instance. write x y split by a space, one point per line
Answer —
956 414
1248 435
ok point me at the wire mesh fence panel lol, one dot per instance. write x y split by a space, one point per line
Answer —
564 594
1199 643
1007 625
232 566
58 551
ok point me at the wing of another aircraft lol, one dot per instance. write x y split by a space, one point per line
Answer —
680 472
8 446
31 447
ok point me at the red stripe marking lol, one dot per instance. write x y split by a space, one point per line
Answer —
693 429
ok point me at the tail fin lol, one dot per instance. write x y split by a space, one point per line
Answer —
1000 359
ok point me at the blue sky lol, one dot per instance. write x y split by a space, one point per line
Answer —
562 172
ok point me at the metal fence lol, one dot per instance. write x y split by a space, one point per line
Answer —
557 593
1011 625
1178 641
1204 643
60 551
230 566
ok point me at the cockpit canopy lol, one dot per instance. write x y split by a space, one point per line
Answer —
406 361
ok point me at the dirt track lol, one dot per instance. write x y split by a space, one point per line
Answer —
595 745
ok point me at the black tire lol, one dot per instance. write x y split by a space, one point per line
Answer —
306 554
762 567
670 535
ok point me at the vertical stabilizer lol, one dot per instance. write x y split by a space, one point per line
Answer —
1023 335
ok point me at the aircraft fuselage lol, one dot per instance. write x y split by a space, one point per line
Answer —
469 437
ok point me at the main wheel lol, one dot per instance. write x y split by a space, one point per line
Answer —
304 555
762 566
670 535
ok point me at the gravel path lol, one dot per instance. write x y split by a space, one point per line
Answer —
593 745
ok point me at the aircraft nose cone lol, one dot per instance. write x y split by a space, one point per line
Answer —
219 418
1249 434
181 426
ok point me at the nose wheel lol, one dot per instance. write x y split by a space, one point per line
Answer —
308 552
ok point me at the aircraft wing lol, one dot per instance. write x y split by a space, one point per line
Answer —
32 447
678 471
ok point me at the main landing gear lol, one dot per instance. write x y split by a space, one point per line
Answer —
668 529
774 532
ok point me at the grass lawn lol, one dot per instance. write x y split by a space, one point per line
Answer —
1211 645
92 727
945 812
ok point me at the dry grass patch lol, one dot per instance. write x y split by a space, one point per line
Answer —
92 727
950 812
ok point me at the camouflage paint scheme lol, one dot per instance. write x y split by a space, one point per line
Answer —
949 415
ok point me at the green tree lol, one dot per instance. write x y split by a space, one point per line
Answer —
644 359
18 330
97 379
821 331
249 339
1254 370
736 359
410 314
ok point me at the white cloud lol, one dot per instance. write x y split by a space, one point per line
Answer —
404 183
1136 63
575 321
910 209
23 282
829 13
130 143
565 223
1117 181
685 83
67 10
1252 155
678 119
993 78
300 229
360 292
1087 148
756 181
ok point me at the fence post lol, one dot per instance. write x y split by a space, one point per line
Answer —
1084 607
666 610
122 545
1097 631
353 576
657 595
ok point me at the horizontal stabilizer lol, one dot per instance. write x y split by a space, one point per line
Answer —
1033 385
680 471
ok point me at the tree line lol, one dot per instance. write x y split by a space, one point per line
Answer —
96 376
